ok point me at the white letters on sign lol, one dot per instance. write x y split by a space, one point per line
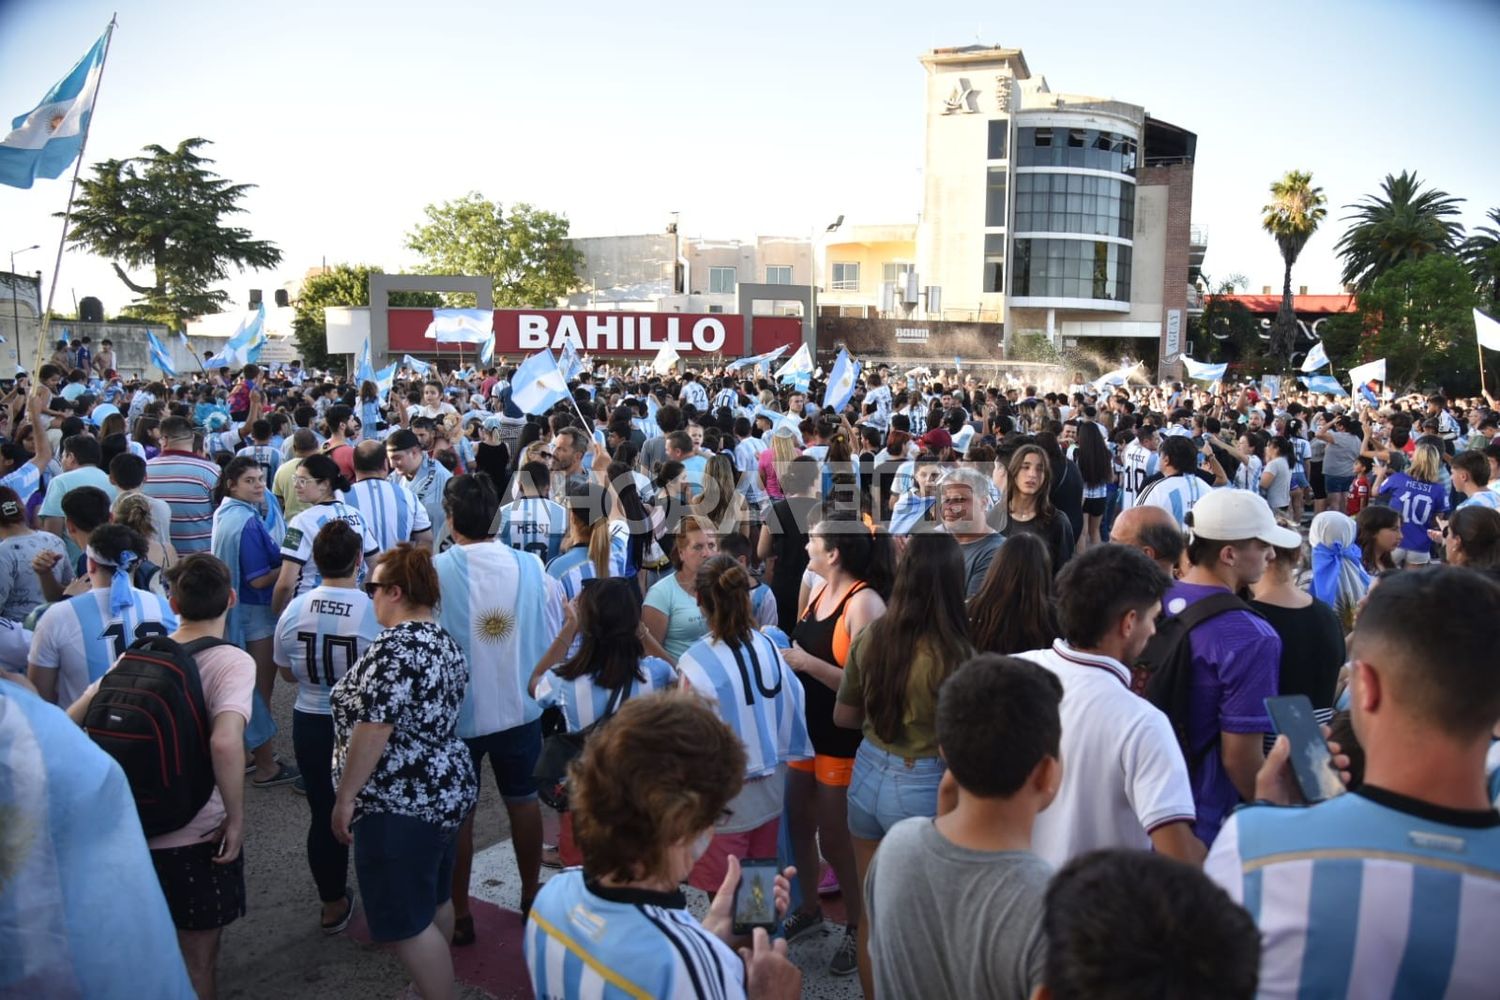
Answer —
621 333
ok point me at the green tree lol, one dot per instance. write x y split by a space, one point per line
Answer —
1418 316
1404 224
1226 330
340 285
166 211
1481 254
526 252
1293 215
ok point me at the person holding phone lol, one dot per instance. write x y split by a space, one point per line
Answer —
646 796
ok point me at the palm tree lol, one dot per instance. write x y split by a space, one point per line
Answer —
1405 224
1481 254
1295 211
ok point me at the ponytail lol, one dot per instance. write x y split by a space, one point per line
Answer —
599 539
723 587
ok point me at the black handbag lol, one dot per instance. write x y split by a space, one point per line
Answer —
560 747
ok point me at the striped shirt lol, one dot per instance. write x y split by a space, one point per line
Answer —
391 511
756 694
1484 498
535 525
268 457
319 637
574 566
185 483
301 531
25 479
583 702
1370 894
587 940
1174 494
503 610
428 485
81 637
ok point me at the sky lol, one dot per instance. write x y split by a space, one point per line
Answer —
771 119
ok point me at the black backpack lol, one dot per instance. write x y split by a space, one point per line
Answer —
150 715
1167 662
560 747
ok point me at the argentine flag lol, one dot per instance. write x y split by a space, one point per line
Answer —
364 372
796 365
538 384
1202 370
487 352
1364 374
841 381
1326 384
568 362
244 347
415 364
460 326
159 355
46 140
1316 358
756 361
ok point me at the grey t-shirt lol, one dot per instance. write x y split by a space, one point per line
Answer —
978 555
946 921
1339 456
20 592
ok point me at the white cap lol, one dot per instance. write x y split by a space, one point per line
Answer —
1230 515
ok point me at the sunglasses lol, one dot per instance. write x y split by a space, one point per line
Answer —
373 585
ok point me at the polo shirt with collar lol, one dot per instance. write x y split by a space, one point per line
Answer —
1123 774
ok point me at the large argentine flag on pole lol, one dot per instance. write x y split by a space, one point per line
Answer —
538 383
460 326
244 347
160 356
46 140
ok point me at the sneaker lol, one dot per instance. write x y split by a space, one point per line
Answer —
285 775
828 885
846 959
551 858
800 923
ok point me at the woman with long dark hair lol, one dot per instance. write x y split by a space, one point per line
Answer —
1379 534
1028 503
1015 610
888 690
1096 466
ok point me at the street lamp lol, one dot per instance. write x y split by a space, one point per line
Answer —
15 305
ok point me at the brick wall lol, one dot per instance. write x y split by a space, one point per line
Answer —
1178 180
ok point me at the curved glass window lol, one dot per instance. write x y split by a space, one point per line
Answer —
1074 203
1070 269
1075 147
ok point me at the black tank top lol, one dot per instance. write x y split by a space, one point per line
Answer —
816 636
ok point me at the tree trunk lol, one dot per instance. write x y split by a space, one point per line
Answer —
1284 327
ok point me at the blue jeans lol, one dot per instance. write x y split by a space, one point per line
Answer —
885 789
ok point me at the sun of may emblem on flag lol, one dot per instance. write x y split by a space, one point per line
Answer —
495 625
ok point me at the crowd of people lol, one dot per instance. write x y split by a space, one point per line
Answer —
990 664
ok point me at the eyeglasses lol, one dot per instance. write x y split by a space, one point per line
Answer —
373 585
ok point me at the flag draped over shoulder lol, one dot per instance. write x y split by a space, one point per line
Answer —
46 140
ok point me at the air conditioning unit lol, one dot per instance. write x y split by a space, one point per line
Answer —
887 296
909 288
934 300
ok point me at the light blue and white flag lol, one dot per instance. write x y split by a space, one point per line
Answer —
1202 370
757 361
365 371
568 362
1272 385
159 355
841 381
415 364
1316 358
460 326
538 384
909 510
958 364
246 343
46 140
1373 371
384 379
1325 384
797 364
487 352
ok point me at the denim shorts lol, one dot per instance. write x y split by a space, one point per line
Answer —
1338 484
405 869
260 621
886 789
513 754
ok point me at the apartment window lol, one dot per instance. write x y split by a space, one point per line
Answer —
779 275
720 280
994 201
994 262
845 276
999 138
894 272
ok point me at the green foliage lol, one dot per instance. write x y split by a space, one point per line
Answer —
1419 318
1293 215
1035 347
1481 255
526 252
165 211
1228 331
1405 224
340 285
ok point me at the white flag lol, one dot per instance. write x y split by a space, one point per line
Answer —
1487 330
1372 372
665 359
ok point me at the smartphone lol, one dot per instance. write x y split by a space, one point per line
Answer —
755 896
1292 715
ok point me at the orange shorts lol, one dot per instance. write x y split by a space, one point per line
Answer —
835 772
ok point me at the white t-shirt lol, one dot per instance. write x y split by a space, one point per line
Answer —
1123 772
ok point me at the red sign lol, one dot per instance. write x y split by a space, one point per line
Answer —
525 331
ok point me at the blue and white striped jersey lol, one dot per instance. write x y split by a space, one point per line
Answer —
297 543
81 638
756 694
391 511
503 610
694 395
583 702
1174 494
1484 498
319 637
573 567
25 479
535 525
763 606
1370 894
585 940
268 457
1137 463
428 485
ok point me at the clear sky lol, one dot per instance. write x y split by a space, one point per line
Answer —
770 118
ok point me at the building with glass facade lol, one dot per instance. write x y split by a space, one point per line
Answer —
1060 215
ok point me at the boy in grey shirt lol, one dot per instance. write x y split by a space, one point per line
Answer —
954 904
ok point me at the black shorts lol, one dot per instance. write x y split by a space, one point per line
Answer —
201 895
1095 506
513 755
1315 480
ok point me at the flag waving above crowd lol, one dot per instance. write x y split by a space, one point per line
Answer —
46 140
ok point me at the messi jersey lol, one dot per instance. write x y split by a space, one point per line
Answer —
1137 463
81 637
533 524
297 545
756 694
503 610
1174 494
319 637
390 510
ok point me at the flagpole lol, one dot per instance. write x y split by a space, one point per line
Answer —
46 327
